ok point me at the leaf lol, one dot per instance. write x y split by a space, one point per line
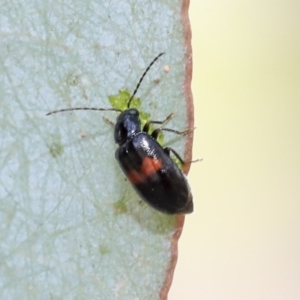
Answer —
71 225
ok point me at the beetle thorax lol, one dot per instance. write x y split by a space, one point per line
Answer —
128 124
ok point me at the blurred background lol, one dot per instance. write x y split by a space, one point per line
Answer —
243 241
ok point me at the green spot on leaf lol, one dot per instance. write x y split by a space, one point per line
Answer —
73 79
56 149
120 207
120 101
103 249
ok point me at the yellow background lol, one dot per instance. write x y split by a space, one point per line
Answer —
243 240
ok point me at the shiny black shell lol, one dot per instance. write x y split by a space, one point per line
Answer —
149 168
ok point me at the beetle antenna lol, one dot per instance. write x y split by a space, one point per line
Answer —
141 79
83 108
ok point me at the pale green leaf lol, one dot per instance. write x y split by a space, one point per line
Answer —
71 225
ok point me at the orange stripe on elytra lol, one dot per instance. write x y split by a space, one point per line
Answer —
149 166
135 177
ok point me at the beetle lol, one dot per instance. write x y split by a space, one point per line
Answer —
148 166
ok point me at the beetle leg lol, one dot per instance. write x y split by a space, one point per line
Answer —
168 150
147 125
156 132
109 122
